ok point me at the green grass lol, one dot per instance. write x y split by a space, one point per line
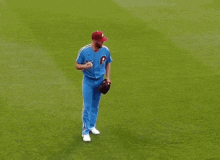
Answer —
164 100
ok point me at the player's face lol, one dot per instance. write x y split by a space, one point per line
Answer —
99 44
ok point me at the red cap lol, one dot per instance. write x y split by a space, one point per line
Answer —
98 35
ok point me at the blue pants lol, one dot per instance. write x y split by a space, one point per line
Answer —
91 99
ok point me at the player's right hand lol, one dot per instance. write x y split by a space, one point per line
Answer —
88 65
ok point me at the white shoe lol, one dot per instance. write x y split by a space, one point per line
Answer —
94 131
86 138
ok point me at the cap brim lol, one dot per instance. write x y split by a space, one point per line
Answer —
104 39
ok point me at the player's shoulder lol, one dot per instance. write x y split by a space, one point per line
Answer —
85 48
105 47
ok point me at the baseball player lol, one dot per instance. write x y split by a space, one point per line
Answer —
94 60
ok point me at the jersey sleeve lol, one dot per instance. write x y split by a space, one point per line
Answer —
80 58
109 58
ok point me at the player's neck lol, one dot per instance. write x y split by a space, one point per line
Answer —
94 48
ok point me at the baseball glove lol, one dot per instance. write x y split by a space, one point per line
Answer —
104 87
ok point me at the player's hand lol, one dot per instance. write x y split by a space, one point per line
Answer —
88 65
108 80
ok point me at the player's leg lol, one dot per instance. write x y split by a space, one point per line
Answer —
95 108
95 103
87 102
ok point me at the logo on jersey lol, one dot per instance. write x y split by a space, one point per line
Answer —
102 60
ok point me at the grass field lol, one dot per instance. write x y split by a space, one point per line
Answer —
164 103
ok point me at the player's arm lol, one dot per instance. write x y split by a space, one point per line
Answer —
108 69
79 66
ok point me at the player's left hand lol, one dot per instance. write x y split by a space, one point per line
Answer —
105 86
108 80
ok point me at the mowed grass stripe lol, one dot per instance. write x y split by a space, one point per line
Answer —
172 90
37 100
192 25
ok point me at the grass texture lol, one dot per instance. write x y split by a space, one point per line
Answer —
164 101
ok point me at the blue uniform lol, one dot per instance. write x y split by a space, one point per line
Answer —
92 79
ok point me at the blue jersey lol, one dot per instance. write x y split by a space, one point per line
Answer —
99 60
